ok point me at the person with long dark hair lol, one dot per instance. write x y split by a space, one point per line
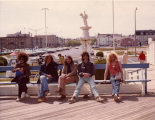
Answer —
86 71
22 70
48 73
69 75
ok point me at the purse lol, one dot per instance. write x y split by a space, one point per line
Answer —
118 75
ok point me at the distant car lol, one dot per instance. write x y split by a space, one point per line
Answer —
92 52
76 47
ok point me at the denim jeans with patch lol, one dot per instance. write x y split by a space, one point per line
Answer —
115 84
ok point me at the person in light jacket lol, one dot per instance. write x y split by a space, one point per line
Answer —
69 75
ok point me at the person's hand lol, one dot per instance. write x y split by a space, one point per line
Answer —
123 81
49 76
17 69
64 75
104 81
85 75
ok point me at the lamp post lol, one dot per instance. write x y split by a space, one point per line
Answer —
36 30
45 25
135 31
113 26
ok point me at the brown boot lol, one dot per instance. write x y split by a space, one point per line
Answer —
62 97
47 93
59 90
41 99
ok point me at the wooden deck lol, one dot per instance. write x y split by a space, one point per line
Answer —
132 107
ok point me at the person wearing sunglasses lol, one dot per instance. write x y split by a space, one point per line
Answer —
22 70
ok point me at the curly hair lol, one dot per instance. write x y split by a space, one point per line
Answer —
24 56
85 53
49 56
112 54
70 59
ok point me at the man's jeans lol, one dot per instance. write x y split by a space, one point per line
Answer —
90 81
44 84
115 84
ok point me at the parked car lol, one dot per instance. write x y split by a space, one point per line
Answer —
92 52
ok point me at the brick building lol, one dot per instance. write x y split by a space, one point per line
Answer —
128 41
20 41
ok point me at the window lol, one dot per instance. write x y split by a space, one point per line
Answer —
141 33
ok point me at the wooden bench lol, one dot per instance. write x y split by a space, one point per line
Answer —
102 88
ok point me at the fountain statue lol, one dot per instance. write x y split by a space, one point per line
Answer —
85 40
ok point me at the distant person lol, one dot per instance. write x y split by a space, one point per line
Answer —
61 59
40 60
48 73
141 57
86 71
69 75
114 66
125 61
22 70
125 58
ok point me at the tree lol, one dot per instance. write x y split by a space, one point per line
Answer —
73 43
93 41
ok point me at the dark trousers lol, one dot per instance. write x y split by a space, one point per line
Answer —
22 85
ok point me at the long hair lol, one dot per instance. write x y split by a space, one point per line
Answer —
49 56
85 53
24 56
112 54
70 59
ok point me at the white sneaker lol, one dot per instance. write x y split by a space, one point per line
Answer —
99 99
71 100
27 95
18 99
23 95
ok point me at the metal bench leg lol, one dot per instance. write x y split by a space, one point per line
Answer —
143 88
38 90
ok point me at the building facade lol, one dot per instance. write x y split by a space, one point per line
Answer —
143 35
52 40
128 41
20 41
107 39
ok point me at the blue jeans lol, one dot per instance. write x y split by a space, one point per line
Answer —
115 84
90 81
44 84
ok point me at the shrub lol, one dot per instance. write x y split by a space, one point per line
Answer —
99 73
1 63
100 54
4 60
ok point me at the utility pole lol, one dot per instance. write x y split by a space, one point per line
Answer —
113 27
45 25
135 32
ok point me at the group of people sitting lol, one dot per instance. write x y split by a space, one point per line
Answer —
70 72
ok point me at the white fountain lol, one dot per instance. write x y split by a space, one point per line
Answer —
85 40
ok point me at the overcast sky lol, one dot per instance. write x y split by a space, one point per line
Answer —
64 20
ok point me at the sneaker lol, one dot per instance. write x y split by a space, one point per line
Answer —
62 97
27 95
72 100
41 99
23 95
18 99
99 99
47 93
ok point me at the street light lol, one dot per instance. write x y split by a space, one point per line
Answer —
45 25
36 30
113 26
135 31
